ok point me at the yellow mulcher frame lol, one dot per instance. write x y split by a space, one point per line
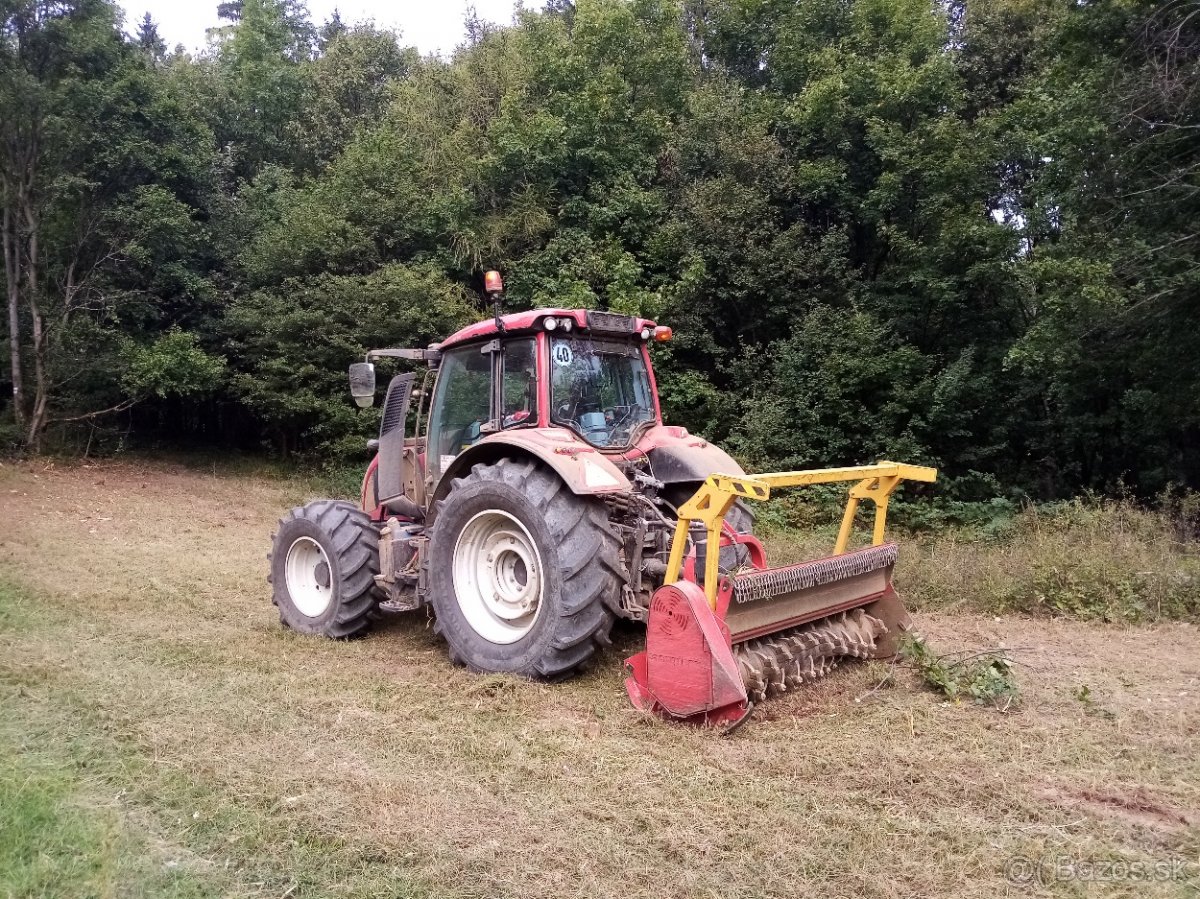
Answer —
720 491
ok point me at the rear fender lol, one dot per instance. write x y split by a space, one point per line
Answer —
586 471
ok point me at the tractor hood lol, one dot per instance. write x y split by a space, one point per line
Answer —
679 457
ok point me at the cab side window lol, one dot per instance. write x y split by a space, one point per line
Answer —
520 382
461 404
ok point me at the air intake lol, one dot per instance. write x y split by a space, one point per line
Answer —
395 407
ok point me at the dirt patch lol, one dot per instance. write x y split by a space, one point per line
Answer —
1134 807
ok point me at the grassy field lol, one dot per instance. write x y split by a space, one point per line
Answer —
161 735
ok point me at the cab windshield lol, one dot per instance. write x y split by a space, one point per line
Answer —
599 388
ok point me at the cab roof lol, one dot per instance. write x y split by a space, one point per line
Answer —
589 321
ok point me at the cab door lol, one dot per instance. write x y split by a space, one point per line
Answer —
481 389
518 385
462 405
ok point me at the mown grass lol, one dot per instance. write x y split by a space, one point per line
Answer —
62 833
60 837
86 811
49 844
163 722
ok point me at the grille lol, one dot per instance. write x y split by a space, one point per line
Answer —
395 407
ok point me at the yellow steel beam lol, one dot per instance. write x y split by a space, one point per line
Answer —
719 492
851 473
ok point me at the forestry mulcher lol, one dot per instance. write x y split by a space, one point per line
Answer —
539 496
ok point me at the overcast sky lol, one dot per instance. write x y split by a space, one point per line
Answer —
433 26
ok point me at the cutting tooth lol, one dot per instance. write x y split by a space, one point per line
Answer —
784 661
810 668
750 666
863 628
858 624
771 670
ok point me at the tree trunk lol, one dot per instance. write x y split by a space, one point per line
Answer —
11 276
41 383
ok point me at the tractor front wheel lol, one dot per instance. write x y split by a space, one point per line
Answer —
323 564
523 573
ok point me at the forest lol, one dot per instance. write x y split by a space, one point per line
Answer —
958 232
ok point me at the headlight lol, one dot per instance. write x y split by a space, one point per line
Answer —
645 333
550 322
566 324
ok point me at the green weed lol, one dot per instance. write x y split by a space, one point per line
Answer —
1084 696
987 678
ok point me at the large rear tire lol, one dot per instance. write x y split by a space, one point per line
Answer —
524 575
324 560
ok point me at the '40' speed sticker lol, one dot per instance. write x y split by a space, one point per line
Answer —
562 354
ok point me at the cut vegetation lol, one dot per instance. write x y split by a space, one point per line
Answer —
161 734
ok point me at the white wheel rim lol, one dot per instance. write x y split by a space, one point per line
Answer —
498 577
309 577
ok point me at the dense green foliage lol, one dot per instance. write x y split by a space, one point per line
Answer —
964 234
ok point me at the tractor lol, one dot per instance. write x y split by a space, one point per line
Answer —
538 496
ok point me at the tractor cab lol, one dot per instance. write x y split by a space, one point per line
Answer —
584 371
576 376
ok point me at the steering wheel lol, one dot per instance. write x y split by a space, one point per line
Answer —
618 416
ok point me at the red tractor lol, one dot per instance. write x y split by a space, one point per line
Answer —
540 496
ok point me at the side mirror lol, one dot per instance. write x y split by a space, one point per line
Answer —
362 384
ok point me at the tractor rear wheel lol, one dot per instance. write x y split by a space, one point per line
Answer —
524 574
323 564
